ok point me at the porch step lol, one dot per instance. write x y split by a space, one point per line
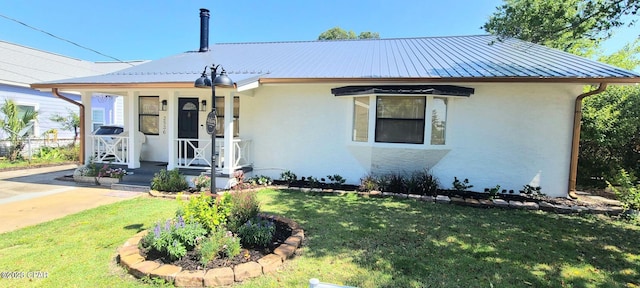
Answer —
130 187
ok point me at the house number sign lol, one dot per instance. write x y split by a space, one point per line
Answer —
211 121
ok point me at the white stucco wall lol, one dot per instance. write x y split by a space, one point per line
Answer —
506 134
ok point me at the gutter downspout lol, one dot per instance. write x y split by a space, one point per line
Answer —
81 106
575 143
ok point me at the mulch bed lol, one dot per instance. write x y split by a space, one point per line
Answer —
191 262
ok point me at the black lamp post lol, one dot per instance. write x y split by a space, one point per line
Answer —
224 81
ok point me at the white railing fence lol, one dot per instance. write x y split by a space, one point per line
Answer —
196 153
110 149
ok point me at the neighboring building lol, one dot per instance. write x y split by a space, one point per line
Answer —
495 112
21 66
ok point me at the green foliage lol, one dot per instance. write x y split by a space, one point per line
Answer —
311 181
257 232
209 211
575 26
418 182
369 183
260 180
70 122
244 206
336 180
610 137
220 243
174 238
627 192
169 181
461 186
337 33
493 192
288 177
14 123
202 182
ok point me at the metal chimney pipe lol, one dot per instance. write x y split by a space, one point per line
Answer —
204 30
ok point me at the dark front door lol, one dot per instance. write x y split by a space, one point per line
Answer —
187 125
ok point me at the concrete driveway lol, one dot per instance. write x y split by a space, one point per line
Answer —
32 196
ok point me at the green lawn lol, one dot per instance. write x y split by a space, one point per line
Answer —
364 242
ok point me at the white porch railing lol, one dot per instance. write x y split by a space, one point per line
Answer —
201 156
110 149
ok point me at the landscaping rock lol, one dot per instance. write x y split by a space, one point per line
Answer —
399 195
579 209
128 250
546 206
375 193
219 277
298 233
166 272
457 201
472 202
270 263
247 270
293 241
599 210
415 196
189 278
443 199
284 251
428 198
615 211
387 194
531 205
143 269
516 204
500 203
564 209
486 203
130 260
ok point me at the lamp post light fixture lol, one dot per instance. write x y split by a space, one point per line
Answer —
222 81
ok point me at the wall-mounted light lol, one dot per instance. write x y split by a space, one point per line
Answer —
164 105
203 105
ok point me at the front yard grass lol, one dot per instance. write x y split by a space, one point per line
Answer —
358 241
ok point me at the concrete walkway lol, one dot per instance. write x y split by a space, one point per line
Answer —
33 196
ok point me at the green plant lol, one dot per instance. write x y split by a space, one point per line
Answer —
627 192
174 238
533 191
202 182
220 243
244 206
493 192
260 180
16 120
393 182
288 177
368 183
169 181
111 172
461 186
206 210
257 233
336 180
427 184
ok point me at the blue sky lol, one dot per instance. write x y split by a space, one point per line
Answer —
144 29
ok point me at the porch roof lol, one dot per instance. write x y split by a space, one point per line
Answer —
481 58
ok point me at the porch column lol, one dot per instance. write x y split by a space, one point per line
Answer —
85 99
229 158
131 125
171 122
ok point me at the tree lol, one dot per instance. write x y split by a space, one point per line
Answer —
71 122
16 123
574 26
337 33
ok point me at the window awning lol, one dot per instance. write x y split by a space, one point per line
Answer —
449 90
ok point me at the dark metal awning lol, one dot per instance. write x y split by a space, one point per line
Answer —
448 90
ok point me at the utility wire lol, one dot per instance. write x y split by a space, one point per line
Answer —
60 38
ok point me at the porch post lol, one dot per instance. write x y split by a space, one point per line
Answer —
85 98
229 158
170 120
131 125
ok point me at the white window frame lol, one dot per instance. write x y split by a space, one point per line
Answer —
372 123
36 107
94 122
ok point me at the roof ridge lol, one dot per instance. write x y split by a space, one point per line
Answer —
353 40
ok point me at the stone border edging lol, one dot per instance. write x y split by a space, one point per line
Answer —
129 257
442 199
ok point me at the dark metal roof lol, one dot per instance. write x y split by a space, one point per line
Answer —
403 89
468 58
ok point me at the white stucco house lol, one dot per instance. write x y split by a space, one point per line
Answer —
21 65
495 112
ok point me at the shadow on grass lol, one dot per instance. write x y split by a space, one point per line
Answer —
137 227
422 244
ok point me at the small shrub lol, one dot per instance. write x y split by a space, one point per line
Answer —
260 180
427 183
393 182
202 182
627 192
461 186
244 206
336 180
369 183
169 181
313 182
493 192
289 177
174 238
257 233
221 243
206 210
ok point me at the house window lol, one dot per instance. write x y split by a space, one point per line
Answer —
220 114
400 119
438 121
24 109
360 119
97 118
148 111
